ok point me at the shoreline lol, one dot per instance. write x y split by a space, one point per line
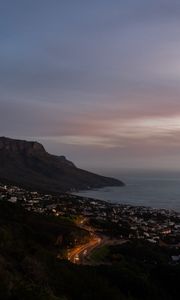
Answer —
124 205
111 219
116 195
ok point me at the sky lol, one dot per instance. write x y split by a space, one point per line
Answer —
97 81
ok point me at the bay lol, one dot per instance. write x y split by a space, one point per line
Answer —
157 190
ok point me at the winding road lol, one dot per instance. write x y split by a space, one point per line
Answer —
81 253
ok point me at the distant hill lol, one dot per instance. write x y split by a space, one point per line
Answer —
29 165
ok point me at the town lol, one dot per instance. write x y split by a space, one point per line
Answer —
114 220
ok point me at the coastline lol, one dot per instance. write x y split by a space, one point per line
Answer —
110 219
155 193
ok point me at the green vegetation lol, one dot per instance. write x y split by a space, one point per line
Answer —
29 268
141 252
99 254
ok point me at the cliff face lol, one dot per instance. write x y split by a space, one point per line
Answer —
22 147
29 165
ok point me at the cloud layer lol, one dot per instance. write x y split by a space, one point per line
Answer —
96 80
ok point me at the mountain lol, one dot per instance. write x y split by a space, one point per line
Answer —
29 165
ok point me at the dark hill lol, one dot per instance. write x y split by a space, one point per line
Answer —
29 165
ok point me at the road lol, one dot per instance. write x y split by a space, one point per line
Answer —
81 253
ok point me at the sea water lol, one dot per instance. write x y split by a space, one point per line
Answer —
157 190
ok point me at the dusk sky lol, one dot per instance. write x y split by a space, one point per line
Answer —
97 81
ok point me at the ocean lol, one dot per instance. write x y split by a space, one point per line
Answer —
153 189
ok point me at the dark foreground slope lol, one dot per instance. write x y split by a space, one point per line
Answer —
29 268
29 165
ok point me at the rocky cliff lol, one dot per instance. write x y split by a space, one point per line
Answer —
29 165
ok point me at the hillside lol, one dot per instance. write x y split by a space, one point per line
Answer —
29 245
29 165
30 269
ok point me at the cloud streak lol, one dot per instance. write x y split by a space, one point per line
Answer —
96 80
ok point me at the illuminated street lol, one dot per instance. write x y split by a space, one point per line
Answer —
79 254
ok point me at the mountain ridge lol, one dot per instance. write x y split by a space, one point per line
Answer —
28 164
